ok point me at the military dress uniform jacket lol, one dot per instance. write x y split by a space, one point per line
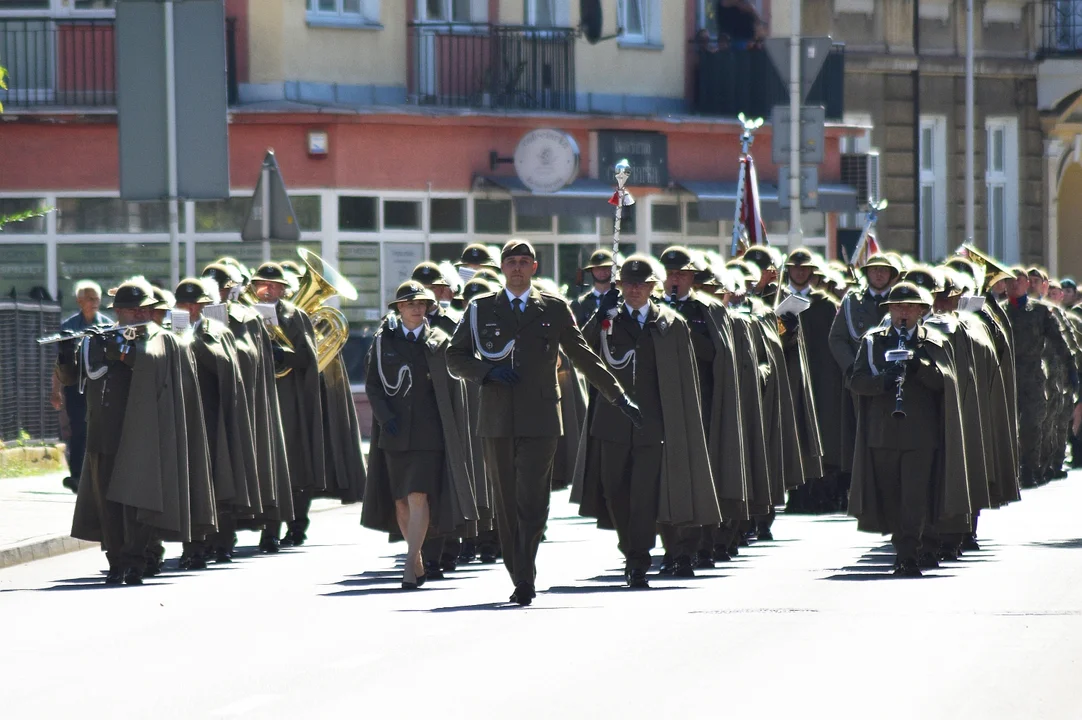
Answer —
493 333
300 402
826 379
933 423
585 306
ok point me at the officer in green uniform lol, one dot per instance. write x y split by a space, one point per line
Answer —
600 270
508 343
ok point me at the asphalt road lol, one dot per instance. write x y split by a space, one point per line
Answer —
810 625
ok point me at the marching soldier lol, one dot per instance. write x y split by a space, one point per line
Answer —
600 270
508 344
648 348
909 467
298 399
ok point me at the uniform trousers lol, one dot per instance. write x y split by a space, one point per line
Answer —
903 482
75 406
123 537
630 476
521 468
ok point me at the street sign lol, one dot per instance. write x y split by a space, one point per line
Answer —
812 134
809 186
278 222
201 100
813 53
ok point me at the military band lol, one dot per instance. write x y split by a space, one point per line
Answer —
687 397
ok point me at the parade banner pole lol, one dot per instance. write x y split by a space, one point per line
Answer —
746 139
620 198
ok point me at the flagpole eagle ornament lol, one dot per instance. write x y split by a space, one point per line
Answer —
746 175
620 198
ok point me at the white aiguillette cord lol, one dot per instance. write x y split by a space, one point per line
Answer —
606 351
405 375
509 348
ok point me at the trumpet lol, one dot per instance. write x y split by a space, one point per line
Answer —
900 356
278 336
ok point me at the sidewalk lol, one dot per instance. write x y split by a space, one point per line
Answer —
35 518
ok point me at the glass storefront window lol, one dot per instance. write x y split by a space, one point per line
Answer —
451 252
248 253
22 268
112 215
697 226
220 216
532 223
665 218
627 223
14 206
401 215
109 264
359 263
576 225
358 214
308 211
571 258
492 217
447 215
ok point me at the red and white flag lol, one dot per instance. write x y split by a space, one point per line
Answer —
750 215
867 247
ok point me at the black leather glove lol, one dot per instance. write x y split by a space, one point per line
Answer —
631 410
892 375
504 374
790 321
608 301
390 427
279 353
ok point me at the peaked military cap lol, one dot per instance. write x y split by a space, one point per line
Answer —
637 269
517 247
762 256
271 272
411 290
133 294
225 275
677 258
601 258
192 290
477 254
801 258
905 292
428 273
1068 284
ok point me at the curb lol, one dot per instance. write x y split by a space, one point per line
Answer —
40 549
51 546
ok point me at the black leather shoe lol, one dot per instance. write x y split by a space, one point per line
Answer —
448 563
433 571
523 594
948 555
467 554
765 535
704 561
199 562
970 544
268 543
734 550
666 565
71 484
114 577
488 557
682 567
286 540
637 580
721 555
133 576
926 561
296 538
907 568
221 555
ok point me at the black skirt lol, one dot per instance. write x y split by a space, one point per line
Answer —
414 471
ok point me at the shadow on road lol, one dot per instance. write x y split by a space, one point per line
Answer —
621 588
1075 544
382 591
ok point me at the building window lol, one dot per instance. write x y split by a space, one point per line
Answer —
533 223
308 212
628 226
696 225
14 206
112 215
491 217
358 214
640 21
576 225
401 215
59 7
447 215
933 187
1001 180
665 218
547 13
343 12
457 11
218 216
708 19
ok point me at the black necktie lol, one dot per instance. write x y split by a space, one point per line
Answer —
517 302
412 337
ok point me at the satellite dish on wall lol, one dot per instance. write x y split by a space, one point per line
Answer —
590 20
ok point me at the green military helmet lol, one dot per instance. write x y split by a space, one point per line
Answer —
428 273
638 269
477 254
410 290
600 258
133 293
476 287
192 290
271 272
884 261
924 276
763 257
801 257
225 275
677 258
905 292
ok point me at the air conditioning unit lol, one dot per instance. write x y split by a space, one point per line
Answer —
861 170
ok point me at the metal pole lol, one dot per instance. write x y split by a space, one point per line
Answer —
796 232
970 180
264 185
171 153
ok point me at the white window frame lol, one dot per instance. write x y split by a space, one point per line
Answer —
369 15
561 13
58 9
934 177
1006 177
476 9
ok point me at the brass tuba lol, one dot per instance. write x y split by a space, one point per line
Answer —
320 283
994 271
278 335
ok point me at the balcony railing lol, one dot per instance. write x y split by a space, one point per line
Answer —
497 67
731 81
58 62
1061 28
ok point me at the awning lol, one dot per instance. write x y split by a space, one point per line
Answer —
717 200
584 197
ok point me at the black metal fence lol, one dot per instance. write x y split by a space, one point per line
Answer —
58 62
492 66
731 81
26 370
1061 27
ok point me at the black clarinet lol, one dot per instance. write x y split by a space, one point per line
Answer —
902 353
